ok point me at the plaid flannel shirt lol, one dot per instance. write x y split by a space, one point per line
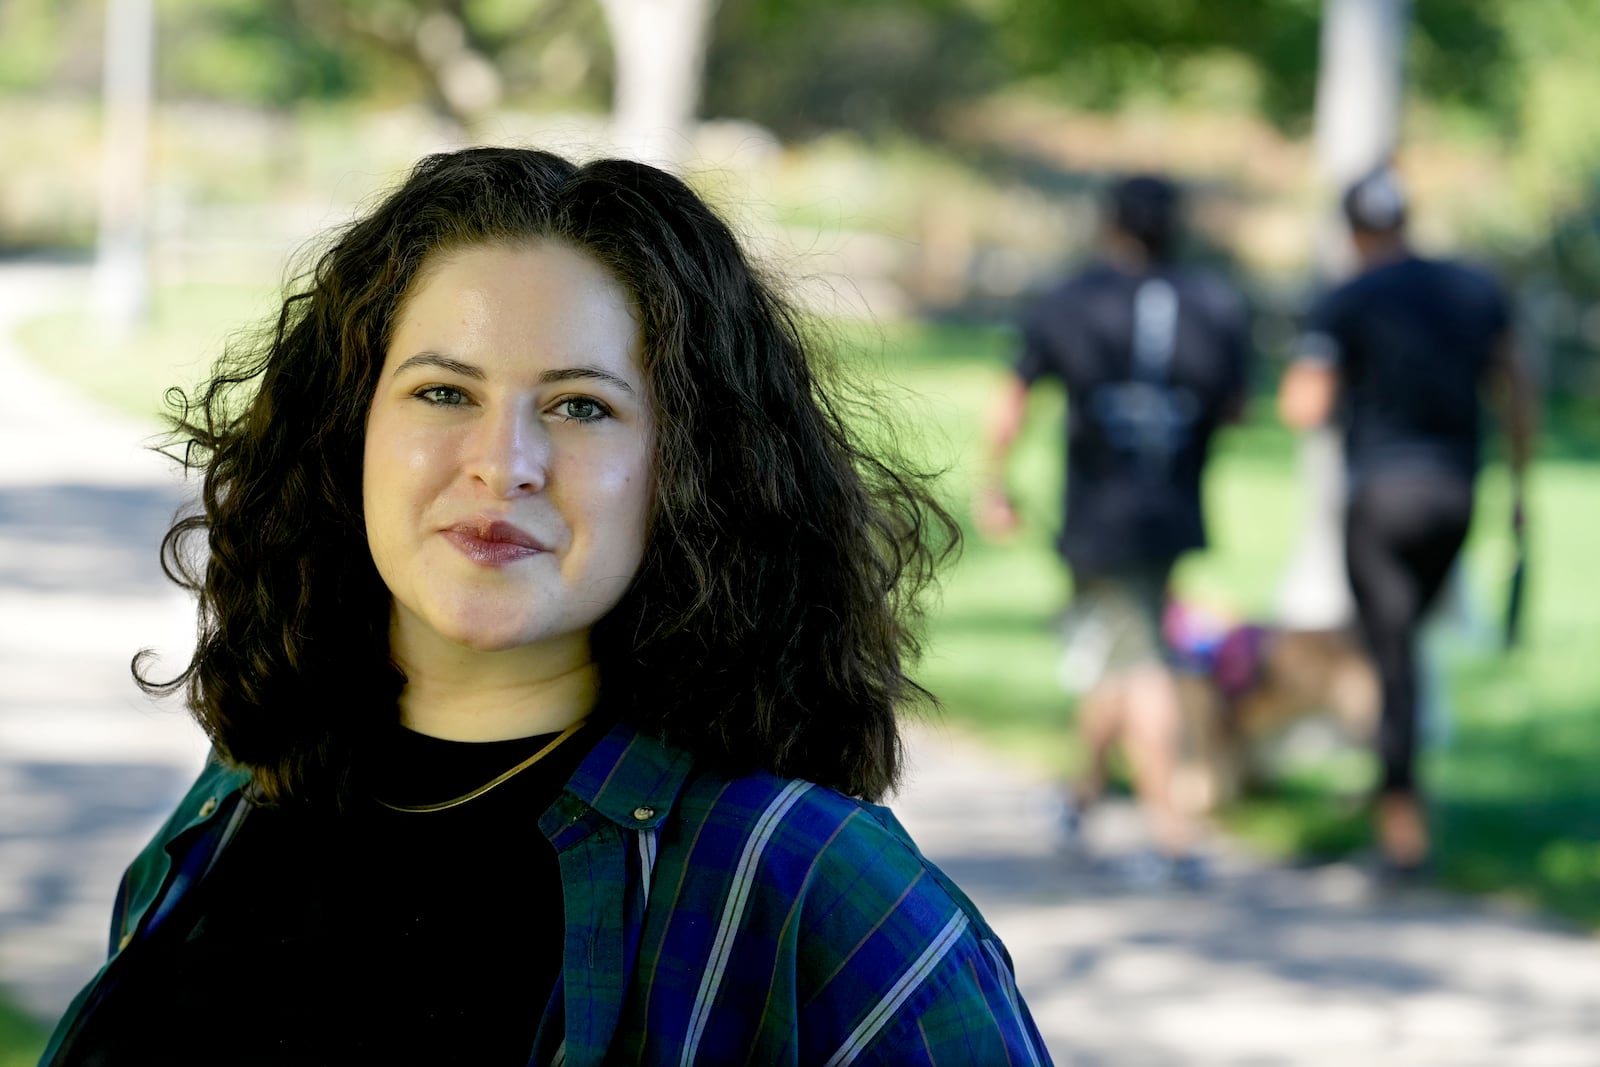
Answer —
752 920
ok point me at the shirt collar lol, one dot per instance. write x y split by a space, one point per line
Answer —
630 778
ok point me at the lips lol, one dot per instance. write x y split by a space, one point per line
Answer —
493 543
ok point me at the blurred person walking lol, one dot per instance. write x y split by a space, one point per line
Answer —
1153 358
1398 356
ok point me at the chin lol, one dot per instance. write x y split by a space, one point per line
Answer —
480 634
491 640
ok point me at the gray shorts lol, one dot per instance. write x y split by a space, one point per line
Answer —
1113 625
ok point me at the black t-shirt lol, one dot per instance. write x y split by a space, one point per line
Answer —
1412 341
372 937
1152 363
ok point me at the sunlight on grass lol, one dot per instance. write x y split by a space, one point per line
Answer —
1515 796
188 330
22 1039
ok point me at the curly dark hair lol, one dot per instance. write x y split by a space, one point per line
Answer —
777 606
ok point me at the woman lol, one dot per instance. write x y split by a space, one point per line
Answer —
551 635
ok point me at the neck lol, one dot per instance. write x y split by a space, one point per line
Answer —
1126 253
1375 250
459 694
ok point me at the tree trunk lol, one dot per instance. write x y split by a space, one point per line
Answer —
121 270
660 50
1359 99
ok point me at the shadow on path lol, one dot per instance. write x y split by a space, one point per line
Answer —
84 538
54 811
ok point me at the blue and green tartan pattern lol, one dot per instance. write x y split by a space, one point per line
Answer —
710 920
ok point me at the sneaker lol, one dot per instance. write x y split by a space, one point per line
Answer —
1391 876
1138 872
1066 817
1191 872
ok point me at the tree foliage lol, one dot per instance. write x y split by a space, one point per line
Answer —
466 55
1522 67
803 66
1102 54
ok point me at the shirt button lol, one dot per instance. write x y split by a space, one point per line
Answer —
643 814
127 939
208 807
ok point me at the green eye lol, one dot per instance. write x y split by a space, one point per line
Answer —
442 395
582 409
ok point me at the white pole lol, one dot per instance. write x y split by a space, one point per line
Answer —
121 271
660 50
1360 85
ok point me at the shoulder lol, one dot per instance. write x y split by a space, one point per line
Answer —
1475 280
213 787
1066 296
882 944
804 818
1441 289
1333 308
799 924
1211 291
205 802
842 864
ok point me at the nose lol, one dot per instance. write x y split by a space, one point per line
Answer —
511 453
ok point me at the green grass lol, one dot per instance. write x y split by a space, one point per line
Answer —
188 328
1515 793
1517 807
21 1037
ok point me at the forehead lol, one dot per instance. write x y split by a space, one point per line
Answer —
543 299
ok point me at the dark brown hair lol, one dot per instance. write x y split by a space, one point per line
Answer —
772 619
1148 208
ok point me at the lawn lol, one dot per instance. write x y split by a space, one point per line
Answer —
1514 791
22 1038
1512 778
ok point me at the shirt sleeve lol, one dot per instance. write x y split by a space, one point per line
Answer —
1035 356
972 1014
1319 342
914 976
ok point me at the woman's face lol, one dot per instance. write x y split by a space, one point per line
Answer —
507 471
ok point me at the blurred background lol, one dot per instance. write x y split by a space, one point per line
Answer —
917 170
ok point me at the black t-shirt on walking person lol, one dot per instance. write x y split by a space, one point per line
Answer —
1152 363
1412 342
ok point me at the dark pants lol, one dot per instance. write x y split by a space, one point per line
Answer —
1402 533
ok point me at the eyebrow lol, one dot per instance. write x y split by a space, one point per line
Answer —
476 373
434 359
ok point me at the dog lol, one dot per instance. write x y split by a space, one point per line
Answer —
1248 687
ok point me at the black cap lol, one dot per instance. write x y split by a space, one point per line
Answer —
1375 202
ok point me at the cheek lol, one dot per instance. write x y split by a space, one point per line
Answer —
397 464
395 483
617 494
637 489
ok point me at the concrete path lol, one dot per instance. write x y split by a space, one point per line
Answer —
1268 967
88 766
1271 967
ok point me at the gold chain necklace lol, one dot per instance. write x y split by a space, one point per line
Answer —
498 779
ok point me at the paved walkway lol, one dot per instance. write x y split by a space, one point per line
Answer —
87 764
1273 967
